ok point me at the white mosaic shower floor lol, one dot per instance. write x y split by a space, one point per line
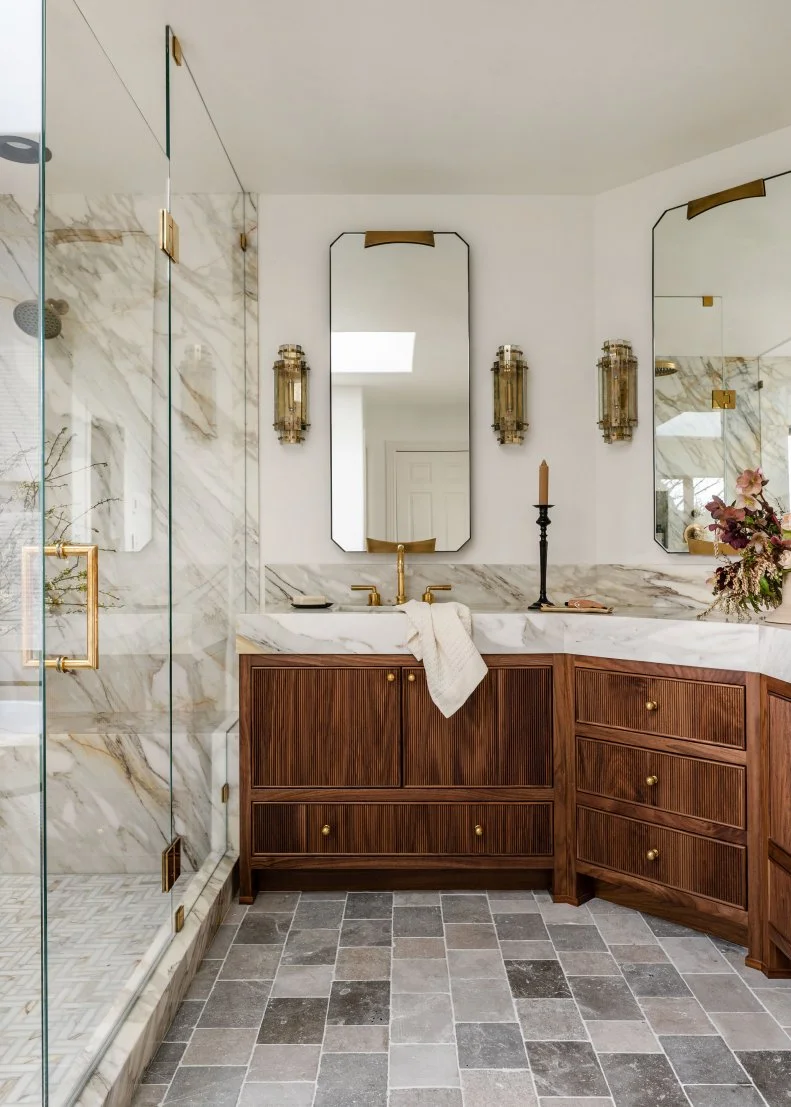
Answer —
102 931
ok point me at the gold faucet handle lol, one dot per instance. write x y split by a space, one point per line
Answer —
428 596
374 599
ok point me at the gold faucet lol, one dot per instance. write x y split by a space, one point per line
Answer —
401 587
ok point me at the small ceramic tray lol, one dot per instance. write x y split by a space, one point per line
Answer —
312 606
577 610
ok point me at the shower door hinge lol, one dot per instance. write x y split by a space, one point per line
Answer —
723 399
225 793
168 235
243 240
178 919
171 864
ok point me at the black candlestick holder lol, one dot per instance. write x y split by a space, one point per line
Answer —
543 522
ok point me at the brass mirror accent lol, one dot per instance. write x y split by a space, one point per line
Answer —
715 199
399 389
423 545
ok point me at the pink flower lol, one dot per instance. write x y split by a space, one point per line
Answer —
750 482
746 502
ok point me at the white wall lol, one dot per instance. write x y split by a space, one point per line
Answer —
531 279
622 293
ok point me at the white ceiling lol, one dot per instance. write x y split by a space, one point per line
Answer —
464 96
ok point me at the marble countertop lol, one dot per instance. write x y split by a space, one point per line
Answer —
666 635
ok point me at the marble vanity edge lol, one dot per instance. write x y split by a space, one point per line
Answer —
654 637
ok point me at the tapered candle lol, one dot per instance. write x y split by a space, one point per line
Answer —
543 483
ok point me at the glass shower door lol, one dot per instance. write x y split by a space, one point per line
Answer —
106 509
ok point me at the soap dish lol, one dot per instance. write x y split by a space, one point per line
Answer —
311 602
576 610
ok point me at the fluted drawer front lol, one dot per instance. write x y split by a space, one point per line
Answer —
277 828
702 712
517 829
691 863
692 786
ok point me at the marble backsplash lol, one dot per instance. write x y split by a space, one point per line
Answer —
514 586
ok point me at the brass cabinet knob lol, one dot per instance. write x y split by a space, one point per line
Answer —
391 677
652 855
411 678
478 830
651 781
326 830
651 705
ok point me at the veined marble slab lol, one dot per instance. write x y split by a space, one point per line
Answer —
662 635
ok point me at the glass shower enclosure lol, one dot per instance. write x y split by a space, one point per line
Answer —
126 546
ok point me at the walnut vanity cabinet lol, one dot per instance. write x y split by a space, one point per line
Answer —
346 763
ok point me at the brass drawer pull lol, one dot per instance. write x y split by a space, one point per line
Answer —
478 830
411 678
651 705
652 855
651 781
326 830
390 677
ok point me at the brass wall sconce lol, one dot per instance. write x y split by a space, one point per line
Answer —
617 390
509 395
291 394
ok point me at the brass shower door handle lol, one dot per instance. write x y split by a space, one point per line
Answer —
64 664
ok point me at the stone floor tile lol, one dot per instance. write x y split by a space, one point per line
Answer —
777 1003
284 1062
420 976
185 1021
423 1066
506 904
352 1080
296 1021
770 1071
750 1030
482 1000
694 954
356 1039
425 1017
425 1097
361 1002
235 1003
415 948
604 997
702 1060
565 913
363 963
310 947
302 980
528 951
497 1088
547 1020
631 954
466 909
614 1036
566 1068
520 927
221 943
149 1095
565 936
416 899
263 930
607 907
576 1101
220 1047
367 932
470 936
322 897
724 1095
677 1016
321 915
654 980
251 963
623 929
537 980
206 1087
156 1073
494 1045
273 1094
472 963
269 902
417 922
722 992
584 963
369 905
664 928
203 981
642 1080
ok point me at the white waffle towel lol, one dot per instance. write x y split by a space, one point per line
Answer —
440 635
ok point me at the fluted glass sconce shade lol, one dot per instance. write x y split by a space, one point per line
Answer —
291 394
509 395
617 391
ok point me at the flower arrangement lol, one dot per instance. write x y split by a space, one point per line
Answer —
751 525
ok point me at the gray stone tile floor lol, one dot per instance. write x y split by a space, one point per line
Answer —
469 999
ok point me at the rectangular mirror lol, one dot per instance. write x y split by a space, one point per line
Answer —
400 389
722 355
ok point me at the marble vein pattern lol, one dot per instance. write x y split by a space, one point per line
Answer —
290 1013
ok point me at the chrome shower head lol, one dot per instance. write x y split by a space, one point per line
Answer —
26 317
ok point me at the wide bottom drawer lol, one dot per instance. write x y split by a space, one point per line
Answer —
689 862
523 829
